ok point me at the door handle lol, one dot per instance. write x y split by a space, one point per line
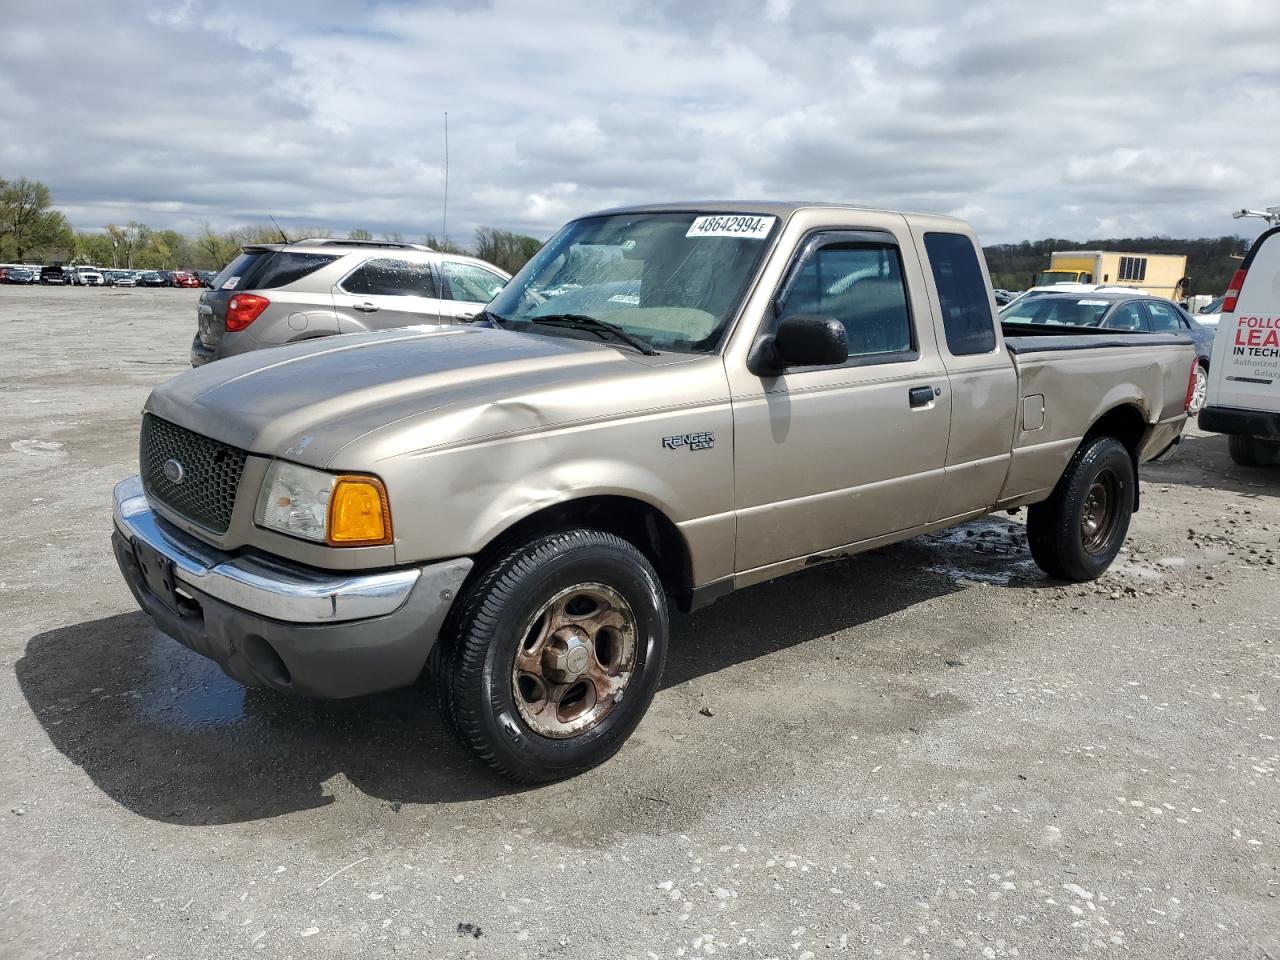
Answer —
923 396
365 307
465 317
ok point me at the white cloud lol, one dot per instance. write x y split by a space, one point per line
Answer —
1022 118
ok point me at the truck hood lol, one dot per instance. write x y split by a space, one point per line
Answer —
308 401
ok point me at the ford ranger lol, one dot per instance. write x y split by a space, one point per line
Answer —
666 404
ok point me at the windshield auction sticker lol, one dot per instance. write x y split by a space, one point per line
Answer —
731 225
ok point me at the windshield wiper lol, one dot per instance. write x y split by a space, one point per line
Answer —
581 321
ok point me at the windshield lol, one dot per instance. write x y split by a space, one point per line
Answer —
671 280
1213 306
1056 311
1049 277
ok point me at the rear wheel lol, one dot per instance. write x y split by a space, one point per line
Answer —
1077 532
1199 389
554 656
1253 452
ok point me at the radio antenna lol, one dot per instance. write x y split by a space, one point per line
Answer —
444 225
282 233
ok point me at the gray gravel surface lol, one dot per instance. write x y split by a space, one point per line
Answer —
926 751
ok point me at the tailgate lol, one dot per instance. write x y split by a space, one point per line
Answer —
211 316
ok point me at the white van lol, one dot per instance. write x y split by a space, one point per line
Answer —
1244 379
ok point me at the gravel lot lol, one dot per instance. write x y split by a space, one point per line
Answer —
927 751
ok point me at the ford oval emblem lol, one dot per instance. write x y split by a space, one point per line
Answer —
174 471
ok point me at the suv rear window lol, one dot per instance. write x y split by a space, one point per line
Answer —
265 269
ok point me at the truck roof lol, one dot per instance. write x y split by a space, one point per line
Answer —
776 208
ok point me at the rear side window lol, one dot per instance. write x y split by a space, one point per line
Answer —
385 277
1163 318
962 292
859 284
267 269
1127 316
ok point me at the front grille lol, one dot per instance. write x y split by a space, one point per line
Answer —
206 492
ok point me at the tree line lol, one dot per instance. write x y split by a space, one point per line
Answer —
31 229
1210 260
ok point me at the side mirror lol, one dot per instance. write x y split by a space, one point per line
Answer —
801 340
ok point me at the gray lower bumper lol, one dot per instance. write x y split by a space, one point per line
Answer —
267 622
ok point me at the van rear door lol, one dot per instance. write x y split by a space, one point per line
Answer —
1245 369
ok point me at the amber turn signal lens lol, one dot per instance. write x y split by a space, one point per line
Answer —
358 512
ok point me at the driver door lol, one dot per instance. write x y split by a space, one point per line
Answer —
831 456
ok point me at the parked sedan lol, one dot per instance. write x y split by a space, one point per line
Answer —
180 278
22 275
1127 312
123 278
150 278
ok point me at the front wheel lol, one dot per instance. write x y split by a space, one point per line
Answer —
1077 532
554 656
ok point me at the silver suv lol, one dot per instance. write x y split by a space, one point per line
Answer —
279 293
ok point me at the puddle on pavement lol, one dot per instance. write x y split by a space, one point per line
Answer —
991 550
186 691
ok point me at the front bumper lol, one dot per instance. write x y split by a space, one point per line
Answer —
267 622
1246 423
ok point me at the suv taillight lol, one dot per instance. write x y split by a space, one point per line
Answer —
1233 292
1191 385
243 309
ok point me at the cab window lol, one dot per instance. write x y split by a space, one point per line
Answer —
859 284
962 294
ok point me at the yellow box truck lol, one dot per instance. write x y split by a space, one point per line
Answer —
1160 274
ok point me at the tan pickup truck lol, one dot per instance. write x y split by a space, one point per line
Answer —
666 404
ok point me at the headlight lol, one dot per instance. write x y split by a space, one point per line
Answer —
340 510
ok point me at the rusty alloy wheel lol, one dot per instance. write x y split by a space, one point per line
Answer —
575 661
1098 519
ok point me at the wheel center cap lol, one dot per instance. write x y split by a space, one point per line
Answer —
568 655
576 661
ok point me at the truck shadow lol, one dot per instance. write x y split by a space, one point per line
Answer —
1203 461
166 734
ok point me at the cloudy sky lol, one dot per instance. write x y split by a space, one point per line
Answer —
1104 119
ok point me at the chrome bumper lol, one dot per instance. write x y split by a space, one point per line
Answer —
276 590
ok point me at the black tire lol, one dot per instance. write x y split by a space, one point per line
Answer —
1253 451
1064 542
473 662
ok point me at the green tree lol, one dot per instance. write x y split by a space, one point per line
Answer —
214 250
127 242
29 225
505 249
444 246
93 248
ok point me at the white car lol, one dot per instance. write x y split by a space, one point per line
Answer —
122 278
87 277
1210 313
1244 381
